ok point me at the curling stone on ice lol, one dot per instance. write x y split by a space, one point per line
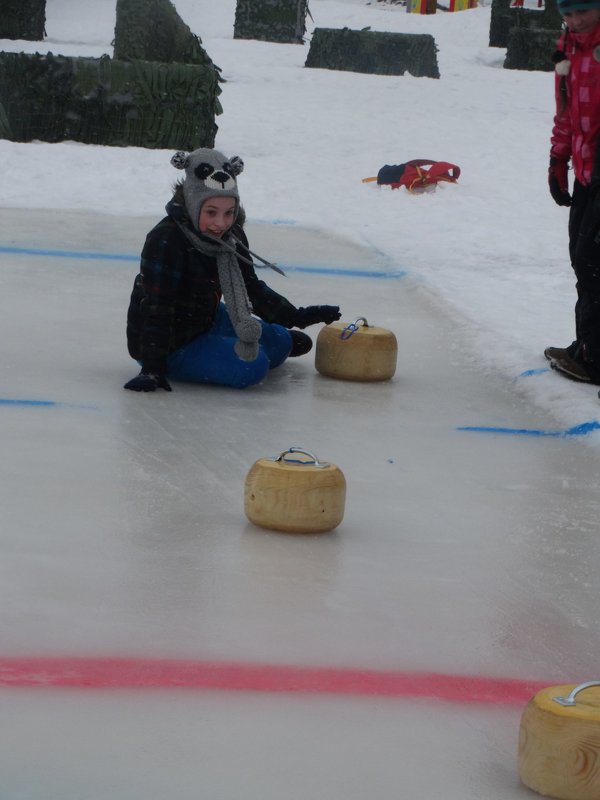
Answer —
354 352
559 742
295 495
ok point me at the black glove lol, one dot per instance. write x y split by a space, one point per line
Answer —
147 382
558 181
313 314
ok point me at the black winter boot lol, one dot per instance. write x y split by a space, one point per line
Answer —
552 353
577 369
301 344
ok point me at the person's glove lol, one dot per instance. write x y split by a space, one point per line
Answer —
313 314
558 181
147 382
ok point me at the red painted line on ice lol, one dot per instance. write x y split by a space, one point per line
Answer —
141 673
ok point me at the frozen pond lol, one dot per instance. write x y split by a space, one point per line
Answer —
467 549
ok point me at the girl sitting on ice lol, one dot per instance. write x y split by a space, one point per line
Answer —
177 325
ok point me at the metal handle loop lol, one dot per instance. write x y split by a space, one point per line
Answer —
570 700
315 461
352 327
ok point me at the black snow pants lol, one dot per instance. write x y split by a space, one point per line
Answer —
584 251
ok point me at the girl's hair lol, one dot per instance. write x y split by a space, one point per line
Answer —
178 191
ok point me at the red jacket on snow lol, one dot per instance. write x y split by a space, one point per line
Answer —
576 129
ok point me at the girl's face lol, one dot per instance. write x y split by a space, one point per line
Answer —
216 216
582 21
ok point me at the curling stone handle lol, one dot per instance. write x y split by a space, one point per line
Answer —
315 460
570 700
352 327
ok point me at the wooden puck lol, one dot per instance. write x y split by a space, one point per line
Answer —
295 493
354 352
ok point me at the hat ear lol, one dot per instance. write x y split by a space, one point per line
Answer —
180 160
237 165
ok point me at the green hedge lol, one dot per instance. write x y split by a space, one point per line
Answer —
530 50
22 19
374 52
152 30
106 101
281 21
504 18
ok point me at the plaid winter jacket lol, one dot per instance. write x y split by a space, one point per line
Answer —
577 124
177 292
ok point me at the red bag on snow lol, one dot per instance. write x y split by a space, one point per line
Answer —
414 175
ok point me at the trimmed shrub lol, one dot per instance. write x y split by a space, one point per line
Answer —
530 50
152 30
374 52
503 18
281 21
106 101
22 19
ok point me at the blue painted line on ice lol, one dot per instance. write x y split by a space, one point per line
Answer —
358 273
9 401
33 251
529 372
275 221
577 430
350 273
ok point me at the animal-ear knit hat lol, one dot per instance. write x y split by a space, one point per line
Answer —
208 173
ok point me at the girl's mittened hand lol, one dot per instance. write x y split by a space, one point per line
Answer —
558 181
147 382
313 314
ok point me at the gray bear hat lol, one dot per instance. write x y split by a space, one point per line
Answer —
208 173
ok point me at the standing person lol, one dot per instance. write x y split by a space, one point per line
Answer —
575 137
177 325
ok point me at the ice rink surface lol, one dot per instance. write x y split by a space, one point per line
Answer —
466 558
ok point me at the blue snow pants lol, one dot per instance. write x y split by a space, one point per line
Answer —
210 357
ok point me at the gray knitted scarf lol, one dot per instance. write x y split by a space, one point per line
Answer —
248 329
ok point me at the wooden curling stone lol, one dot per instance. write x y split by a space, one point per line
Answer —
559 742
295 494
353 352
